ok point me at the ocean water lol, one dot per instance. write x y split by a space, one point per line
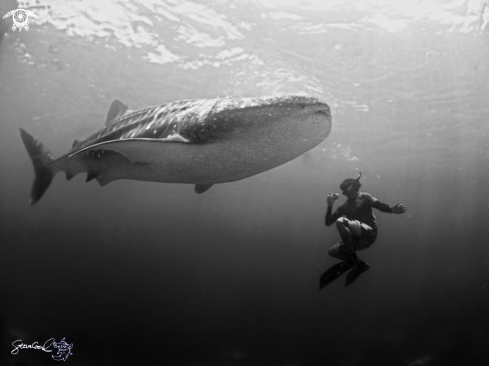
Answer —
154 274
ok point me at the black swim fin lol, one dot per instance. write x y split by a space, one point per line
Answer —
355 272
334 272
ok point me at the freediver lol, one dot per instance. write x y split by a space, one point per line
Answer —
356 224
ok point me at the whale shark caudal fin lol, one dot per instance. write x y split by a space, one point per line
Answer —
41 158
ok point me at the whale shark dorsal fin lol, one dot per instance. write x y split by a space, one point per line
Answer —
117 109
201 188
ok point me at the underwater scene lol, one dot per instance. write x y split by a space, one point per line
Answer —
244 182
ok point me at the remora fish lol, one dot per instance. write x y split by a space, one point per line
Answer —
202 142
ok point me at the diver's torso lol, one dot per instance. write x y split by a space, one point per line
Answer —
360 208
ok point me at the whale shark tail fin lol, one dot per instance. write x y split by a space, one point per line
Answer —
41 159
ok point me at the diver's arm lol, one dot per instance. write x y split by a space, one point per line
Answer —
398 208
384 207
331 217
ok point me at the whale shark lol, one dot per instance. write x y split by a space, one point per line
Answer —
196 141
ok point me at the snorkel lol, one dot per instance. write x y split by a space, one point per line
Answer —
359 176
350 182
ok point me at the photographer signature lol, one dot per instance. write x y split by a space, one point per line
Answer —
64 349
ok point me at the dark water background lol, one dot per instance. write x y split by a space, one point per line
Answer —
146 273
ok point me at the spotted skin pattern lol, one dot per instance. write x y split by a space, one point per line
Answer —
186 120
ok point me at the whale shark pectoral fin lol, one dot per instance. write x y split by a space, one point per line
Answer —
201 188
138 150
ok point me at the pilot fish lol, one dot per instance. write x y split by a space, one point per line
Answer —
198 141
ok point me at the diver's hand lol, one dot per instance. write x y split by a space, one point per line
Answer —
332 197
398 208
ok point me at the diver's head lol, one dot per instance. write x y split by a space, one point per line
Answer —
350 186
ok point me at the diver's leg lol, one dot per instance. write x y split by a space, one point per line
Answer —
364 237
346 235
338 251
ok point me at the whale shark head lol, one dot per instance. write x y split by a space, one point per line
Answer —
265 133
303 121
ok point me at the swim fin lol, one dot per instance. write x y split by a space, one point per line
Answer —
334 272
355 272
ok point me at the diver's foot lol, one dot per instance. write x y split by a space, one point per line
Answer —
360 267
352 260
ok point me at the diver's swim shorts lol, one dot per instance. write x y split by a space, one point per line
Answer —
363 235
